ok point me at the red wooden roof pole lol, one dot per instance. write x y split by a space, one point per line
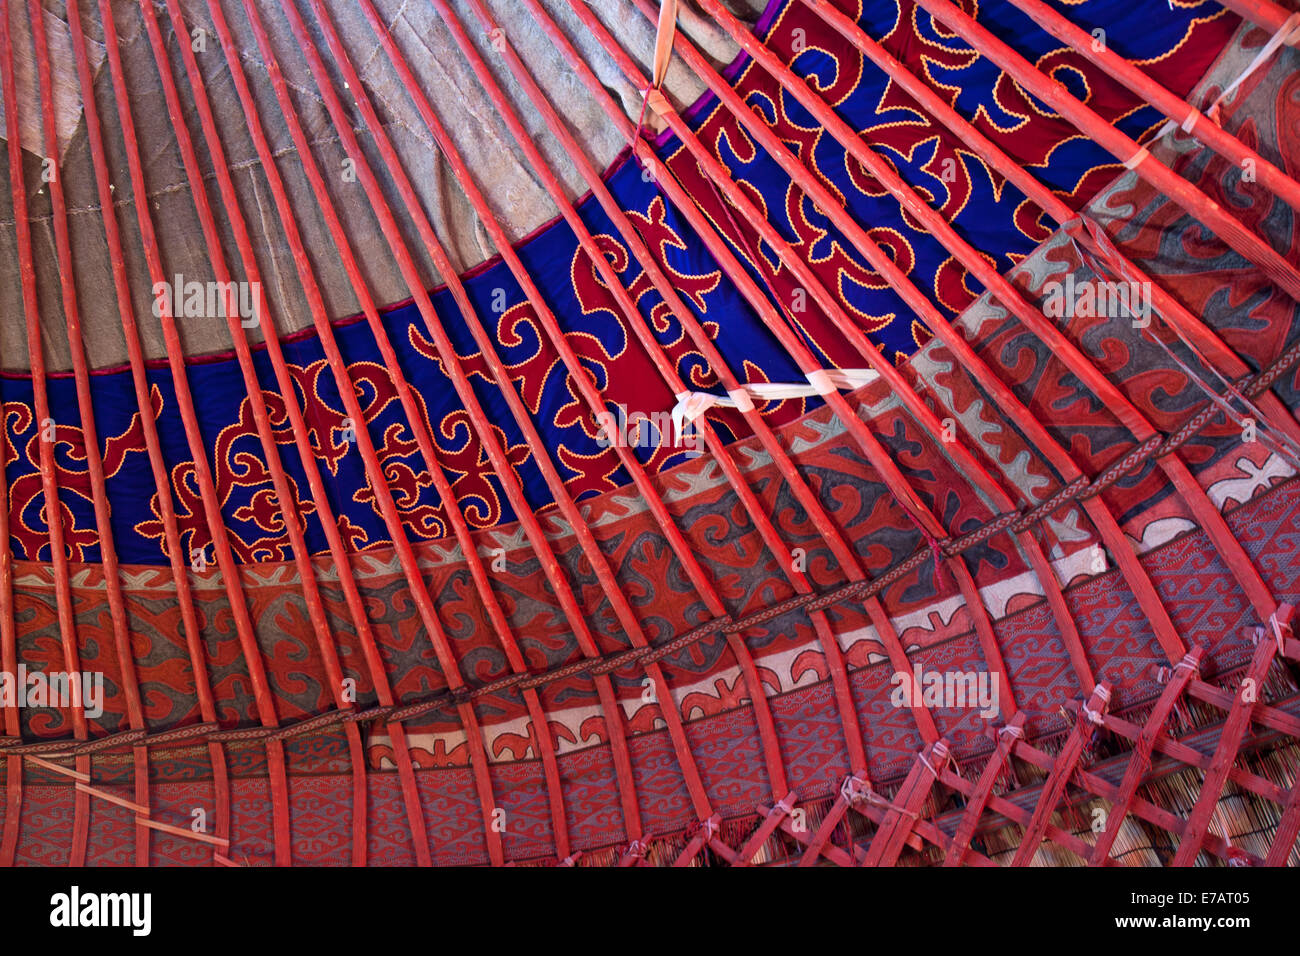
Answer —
1263 13
1208 516
148 424
41 403
583 383
965 461
833 655
882 462
528 519
320 497
1230 737
374 471
9 651
1200 336
1140 758
1211 519
338 366
978 798
474 737
510 480
262 695
1063 768
90 442
1173 107
1057 97
827 302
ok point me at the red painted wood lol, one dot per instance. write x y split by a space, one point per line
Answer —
40 402
983 789
1173 107
1066 763
1230 737
899 819
162 482
1140 759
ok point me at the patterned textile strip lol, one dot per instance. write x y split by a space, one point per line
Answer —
49 480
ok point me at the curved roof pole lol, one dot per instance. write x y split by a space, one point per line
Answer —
1186 195
46 443
505 472
319 496
1192 120
1262 13
630 235
8 636
263 697
173 547
581 380
1194 333
90 437
1210 518
712 169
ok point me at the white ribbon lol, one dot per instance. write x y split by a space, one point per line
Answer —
822 381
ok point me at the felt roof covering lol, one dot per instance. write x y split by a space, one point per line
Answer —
832 433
